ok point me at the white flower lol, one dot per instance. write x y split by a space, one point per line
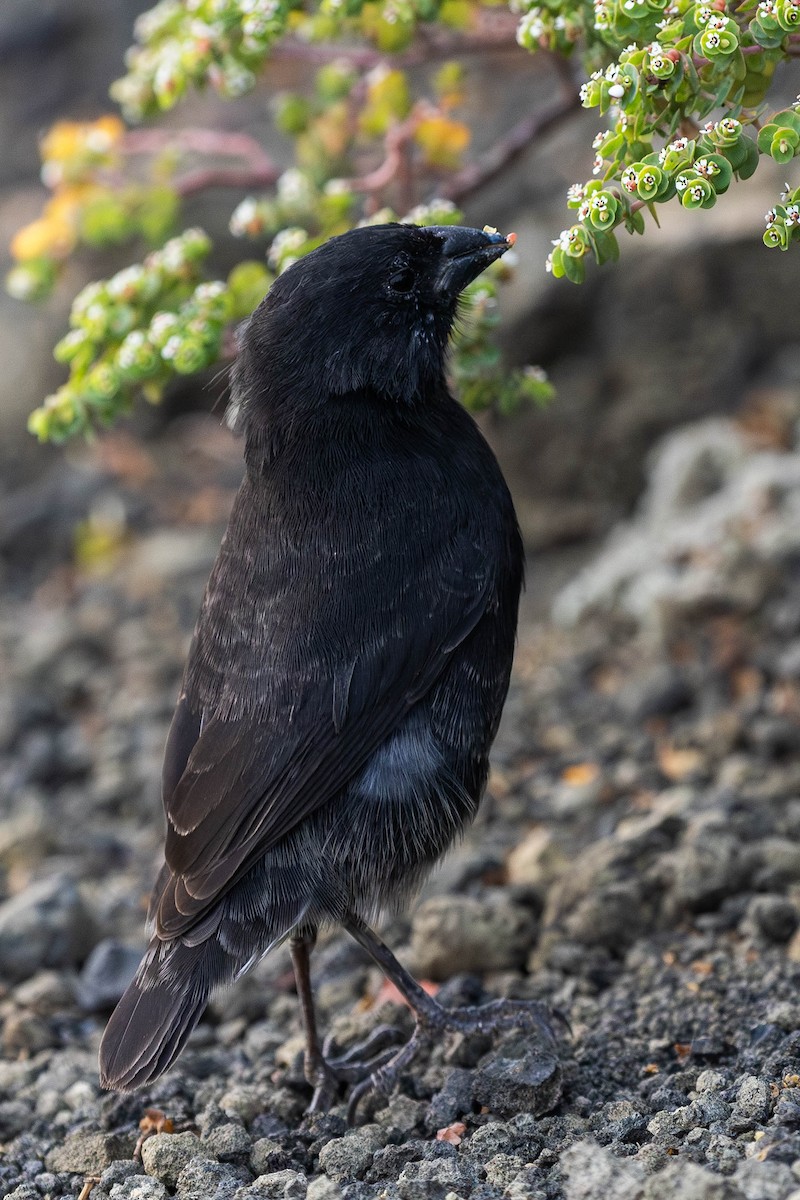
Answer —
295 189
172 347
209 291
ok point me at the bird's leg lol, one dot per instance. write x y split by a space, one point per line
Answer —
323 1073
316 1070
432 1018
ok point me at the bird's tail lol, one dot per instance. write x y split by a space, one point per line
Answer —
150 1025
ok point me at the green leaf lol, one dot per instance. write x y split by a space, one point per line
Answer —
574 269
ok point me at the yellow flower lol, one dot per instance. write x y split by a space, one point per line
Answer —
66 205
43 237
62 142
442 141
104 133
69 139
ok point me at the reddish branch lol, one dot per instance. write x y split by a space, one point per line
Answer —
259 171
396 142
508 149
498 33
243 178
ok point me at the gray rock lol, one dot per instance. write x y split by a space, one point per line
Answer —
687 1181
348 1157
46 992
166 1154
503 1169
774 917
452 1101
89 1153
537 860
25 839
47 925
690 544
489 1140
780 862
764 1180
139 1187
227 1142
119 1171
25 1033
278 1185
400 1118
753 1102
267 1156
591 1172
14 1117
663 691
710 1081
454 934
789 661
711 1109
708 868
670 1123
203 1179
106 973
510 1085
435 1178
243 1102
524 1187
323 1188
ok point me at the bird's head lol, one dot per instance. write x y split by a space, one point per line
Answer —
370 310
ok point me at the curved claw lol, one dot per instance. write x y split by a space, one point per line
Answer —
383 1080
358 1065
484 1018
379 1040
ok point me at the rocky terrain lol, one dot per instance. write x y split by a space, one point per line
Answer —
636 864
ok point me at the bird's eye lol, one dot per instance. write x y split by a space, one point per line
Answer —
402 281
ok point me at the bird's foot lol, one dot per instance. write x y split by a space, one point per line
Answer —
487 1019
327 1073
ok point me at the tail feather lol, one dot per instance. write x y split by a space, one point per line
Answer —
153 1020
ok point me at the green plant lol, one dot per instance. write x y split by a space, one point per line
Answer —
684 86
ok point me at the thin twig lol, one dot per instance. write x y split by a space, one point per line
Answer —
430 46
243 178
227 143
397 138
511 147
259 171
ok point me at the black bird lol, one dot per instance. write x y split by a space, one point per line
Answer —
352 654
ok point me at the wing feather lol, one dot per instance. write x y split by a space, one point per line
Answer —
293 682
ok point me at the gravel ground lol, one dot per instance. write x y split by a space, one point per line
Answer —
636 865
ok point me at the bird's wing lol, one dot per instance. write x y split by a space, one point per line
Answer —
337 680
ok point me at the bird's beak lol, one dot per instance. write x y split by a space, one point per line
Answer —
465 253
